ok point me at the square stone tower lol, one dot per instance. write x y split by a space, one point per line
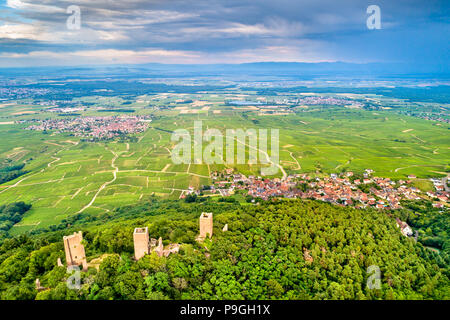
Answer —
141 242
206 225
74 249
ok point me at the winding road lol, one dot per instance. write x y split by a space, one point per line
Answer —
103 186
269 160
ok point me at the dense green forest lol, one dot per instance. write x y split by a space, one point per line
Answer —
10 215
10 171
431 223
280 249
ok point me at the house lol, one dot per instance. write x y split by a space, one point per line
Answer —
404 228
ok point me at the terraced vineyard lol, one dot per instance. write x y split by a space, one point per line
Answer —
67 175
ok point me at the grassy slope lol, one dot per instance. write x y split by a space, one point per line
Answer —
65 176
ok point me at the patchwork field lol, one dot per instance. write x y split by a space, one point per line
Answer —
67 176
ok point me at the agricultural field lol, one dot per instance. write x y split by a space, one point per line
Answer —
68 175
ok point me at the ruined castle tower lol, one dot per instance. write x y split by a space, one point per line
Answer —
141 242
143 245
75 254
206 225
38 284
160 248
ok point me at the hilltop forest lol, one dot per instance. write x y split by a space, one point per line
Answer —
280 249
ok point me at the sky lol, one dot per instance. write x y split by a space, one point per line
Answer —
35 32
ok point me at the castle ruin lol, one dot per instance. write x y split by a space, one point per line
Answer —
206 225
143 245
38 285
74 249
159 249
141 242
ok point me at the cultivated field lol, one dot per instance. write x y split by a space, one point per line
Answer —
67 176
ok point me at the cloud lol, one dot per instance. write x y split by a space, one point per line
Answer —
26 5
39 32
107 56
273 27
19 31
215 30
306 53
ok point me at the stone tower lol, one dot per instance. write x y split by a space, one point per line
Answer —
74 249
160 248
141 242
206 225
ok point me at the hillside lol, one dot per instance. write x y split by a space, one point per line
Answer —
287 249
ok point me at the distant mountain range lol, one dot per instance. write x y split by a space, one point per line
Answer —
276 69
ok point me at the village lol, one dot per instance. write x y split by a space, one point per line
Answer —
340 189
94 127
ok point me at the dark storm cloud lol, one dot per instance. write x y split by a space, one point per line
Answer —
212 30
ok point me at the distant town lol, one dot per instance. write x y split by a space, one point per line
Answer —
343 189
94 127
